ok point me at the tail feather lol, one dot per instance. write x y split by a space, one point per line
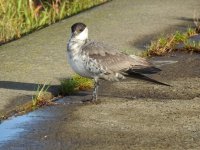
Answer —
143 77
146 70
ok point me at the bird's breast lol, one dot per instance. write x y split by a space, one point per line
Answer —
77 63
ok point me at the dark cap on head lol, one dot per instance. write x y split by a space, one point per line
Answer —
78 27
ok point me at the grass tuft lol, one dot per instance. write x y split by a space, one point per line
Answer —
167 44
74 84
18 17
42 96
67 87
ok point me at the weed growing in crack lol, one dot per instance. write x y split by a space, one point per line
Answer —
42 96
75 83
167 44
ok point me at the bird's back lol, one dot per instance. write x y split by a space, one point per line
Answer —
113 59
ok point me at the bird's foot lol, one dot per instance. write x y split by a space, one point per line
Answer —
94 99
96 102
91 101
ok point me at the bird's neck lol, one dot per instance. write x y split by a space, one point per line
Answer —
74 45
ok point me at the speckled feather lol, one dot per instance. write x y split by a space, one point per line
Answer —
112 59
99 61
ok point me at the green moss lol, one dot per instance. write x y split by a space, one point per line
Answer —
75 83
67 86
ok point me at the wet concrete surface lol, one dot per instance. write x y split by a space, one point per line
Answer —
129 25
132 115
194 40
31 131
10 129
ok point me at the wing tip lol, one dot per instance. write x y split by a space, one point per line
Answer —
148 70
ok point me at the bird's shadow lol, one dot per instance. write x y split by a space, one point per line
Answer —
26 86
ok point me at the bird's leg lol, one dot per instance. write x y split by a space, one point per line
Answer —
95 91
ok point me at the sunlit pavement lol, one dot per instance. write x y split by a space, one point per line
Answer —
134 115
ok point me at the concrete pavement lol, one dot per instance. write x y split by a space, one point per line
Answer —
132 114
129 25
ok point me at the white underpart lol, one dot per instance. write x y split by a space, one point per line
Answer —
76 59
82 64
78 65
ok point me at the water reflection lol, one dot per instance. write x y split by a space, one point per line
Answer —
10 129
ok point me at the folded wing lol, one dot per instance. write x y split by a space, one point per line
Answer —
116 61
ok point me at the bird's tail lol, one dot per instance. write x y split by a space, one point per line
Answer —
143 77
145 70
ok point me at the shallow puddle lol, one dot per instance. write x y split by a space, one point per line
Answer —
12 128
15 128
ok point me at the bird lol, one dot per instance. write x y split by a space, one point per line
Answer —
100 61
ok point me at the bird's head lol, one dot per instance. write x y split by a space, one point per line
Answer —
79 31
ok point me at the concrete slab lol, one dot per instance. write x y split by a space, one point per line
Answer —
129 25
40 57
